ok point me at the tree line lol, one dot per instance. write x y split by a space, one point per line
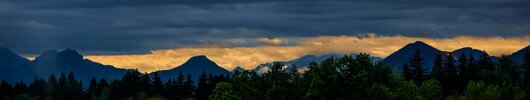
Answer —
460 78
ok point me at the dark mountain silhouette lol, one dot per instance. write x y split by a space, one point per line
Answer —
476 54
400 57
238 68
194 66
467 52
55 62
9 61
517 57
303 62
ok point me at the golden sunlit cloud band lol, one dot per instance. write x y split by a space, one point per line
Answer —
250 57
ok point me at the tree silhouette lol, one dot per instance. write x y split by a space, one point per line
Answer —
416 65
437 70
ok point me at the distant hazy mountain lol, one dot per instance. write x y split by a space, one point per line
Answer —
467 51
194 66
400 57
303 62
54 62
9 61
238 68
518 56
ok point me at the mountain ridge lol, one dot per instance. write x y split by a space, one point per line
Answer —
194 67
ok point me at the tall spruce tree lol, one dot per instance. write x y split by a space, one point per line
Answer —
92 88
526 67
202 88
74 88
6 89
450 76
406 73
37 88
450 68
20 88
416 65
485 62
463 71
462 64
158 85
437 69
506 65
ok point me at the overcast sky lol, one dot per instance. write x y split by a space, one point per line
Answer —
97 27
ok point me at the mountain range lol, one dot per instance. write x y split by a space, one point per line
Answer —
400 57
14 67
17 68
517 57
303 62
195 66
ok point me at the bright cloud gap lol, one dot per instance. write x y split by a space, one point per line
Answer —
250 57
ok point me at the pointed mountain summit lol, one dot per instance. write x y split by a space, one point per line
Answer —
238 69
54 56
194 66
400 57
467 51
517 57
9 61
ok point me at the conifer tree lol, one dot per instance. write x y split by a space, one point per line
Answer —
506 65
6 89
179 86
485 62
472 67
20 88
450 76
526 67
74 88
188 87
92 88
202 88
416 65
463 74
158 85
449 67
407 74
437 70
37 88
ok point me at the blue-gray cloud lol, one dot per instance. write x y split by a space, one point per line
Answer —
138 26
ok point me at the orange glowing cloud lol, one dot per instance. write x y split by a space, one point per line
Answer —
250 57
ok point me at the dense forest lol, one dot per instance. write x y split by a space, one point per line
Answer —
346 78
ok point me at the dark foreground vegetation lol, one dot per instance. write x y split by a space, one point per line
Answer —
342 78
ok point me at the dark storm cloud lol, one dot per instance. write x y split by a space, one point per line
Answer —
137 26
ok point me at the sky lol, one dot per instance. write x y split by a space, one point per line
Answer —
161 34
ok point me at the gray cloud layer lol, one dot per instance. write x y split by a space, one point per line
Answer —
138 26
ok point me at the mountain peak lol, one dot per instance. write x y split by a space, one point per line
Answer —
238 68
8 57
419 42
199 57
466 48
518 56
398 58
70 54
67 54
4 50
47 54
198 61
467 51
